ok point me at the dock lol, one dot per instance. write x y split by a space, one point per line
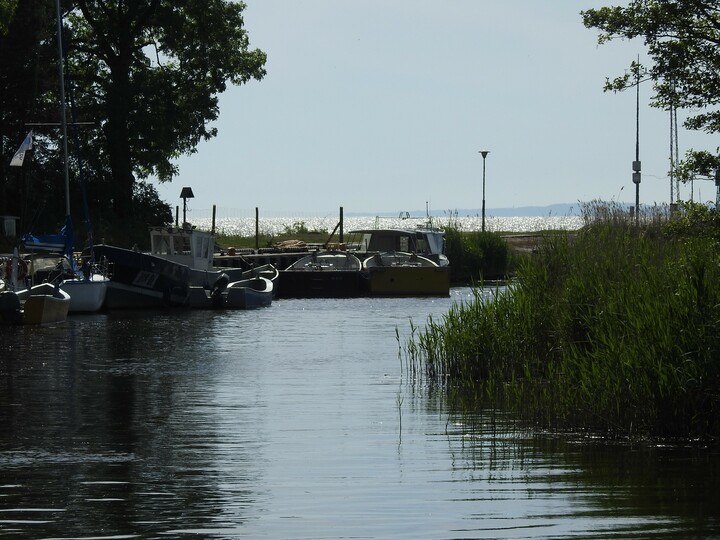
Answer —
250 258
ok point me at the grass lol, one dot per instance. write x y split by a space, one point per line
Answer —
614 329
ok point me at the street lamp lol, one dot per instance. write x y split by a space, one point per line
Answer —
186 194
636 166
484 154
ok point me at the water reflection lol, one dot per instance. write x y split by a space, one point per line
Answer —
297 422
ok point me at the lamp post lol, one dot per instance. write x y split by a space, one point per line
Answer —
636 164
484 154
186 194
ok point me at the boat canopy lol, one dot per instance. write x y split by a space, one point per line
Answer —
423 241
62 242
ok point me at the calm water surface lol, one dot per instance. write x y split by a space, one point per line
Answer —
296 421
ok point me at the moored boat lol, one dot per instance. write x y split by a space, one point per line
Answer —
180 261
405 274
42 304
87 294
141 280
248 293
426 241
329 274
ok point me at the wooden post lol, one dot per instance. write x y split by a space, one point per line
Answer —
342 239
213 220
257 228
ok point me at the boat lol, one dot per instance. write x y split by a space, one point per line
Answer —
327 274
188 246
405 274
41 304
249 293
426 241
87 285
179 258
87 293
195 248
44 304
225 293
142 280
180 261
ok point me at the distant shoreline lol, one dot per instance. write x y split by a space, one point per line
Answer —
560 209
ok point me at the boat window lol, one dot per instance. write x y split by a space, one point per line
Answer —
181 244
366 242
161 245
381 242
203 247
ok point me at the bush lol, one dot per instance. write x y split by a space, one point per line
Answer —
475 256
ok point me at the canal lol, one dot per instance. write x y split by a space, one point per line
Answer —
300 421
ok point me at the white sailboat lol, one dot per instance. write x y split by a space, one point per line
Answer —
87 289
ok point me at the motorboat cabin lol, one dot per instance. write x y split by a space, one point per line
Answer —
427 242
184 245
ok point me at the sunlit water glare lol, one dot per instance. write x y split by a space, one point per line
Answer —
245 226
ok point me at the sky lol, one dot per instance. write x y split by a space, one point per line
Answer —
383 106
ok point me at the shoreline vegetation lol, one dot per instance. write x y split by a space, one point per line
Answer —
612 330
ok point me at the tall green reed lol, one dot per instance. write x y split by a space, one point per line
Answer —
614 328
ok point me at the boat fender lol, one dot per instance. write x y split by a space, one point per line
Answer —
22 269
220 285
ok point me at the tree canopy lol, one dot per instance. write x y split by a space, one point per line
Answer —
144 78
152 72
683 41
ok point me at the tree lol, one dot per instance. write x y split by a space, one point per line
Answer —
683 42
149 73
28 92
7 10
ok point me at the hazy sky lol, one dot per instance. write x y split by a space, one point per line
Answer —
383 105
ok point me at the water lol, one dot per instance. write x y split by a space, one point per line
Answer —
245 226
297 421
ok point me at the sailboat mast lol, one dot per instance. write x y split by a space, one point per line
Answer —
63 116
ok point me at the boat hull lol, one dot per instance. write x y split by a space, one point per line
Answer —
249 294
408 281
246 294
44 304
405 274
142 280
86 295
319 284
321 275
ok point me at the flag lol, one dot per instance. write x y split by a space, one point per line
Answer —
19 156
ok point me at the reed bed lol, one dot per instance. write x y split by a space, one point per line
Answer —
613 329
